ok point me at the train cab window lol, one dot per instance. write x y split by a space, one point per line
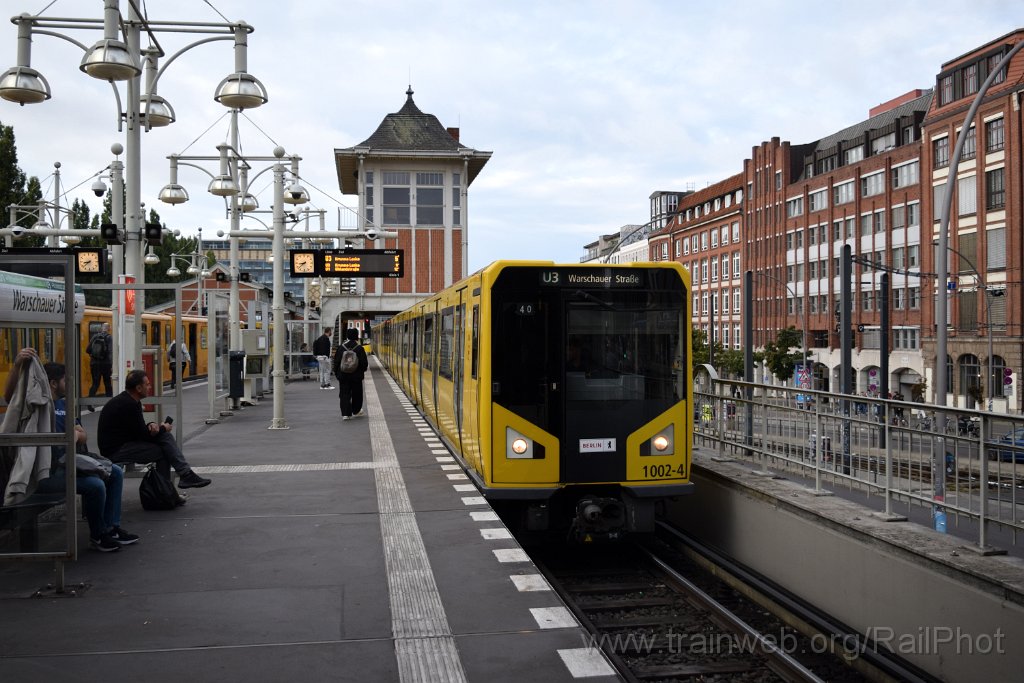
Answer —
446 343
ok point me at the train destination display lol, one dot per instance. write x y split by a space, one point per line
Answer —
347 263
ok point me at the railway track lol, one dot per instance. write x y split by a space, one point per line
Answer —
661 611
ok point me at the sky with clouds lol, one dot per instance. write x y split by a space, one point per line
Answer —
588 107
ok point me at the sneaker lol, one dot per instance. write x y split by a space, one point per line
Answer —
329 387
182 499
346 417
105 543
191 480
123 537
361 413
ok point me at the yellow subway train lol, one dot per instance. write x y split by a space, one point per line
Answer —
564 390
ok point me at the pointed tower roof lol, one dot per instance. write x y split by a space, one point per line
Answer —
408 133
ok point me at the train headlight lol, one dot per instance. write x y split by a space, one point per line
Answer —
662 443
518 446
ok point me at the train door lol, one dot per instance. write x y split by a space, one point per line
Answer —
459 366
594 396
192 334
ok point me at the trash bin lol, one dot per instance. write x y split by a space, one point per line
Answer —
236 370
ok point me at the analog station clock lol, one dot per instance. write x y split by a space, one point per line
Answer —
303 263
89 262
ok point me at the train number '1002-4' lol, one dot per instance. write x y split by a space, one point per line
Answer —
663 471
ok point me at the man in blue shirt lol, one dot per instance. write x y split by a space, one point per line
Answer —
101 499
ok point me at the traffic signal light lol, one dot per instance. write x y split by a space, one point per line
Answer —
1007 376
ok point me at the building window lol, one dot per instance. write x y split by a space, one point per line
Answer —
725 267
736 231
686 247
725 235
704 241
714 239
368 196
818 200
853 155
881 144
993 62
704 271
913 256
940 152
899 216
913 215
679 248
714 270
906 175
970 149
778 180
946 89
736 265
914 298
396 195
456 199
842 193
995 190
795 207
994 135
430 199
967 196
995 249
872 184
969 74
899 299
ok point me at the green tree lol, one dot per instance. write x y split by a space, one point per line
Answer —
779 354
731 362
15 188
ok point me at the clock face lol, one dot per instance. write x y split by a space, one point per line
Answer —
88 262
302 262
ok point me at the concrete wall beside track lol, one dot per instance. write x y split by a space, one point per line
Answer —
954 613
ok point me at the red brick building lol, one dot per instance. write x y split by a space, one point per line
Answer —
875 186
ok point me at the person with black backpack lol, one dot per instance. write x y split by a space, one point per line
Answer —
350 365
101 361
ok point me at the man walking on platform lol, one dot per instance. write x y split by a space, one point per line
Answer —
322 352
350 365
101 361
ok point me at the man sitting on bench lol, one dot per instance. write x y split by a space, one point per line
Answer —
125 436
101 499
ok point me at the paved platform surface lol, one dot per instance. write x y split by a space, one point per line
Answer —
329 551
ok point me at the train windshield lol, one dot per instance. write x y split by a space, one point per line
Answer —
624 353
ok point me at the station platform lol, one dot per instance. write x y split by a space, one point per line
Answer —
329 551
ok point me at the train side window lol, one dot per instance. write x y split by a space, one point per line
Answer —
415 340
446 342
428 342
475 340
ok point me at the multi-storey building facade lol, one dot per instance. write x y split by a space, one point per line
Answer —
875 187
705 237
985 245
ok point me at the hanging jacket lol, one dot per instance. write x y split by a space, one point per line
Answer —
29 412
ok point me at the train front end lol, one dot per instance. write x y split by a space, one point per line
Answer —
590 380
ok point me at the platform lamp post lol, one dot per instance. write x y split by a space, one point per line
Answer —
232 182
116 57
942 274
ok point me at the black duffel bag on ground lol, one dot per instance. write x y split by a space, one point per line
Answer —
157 492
